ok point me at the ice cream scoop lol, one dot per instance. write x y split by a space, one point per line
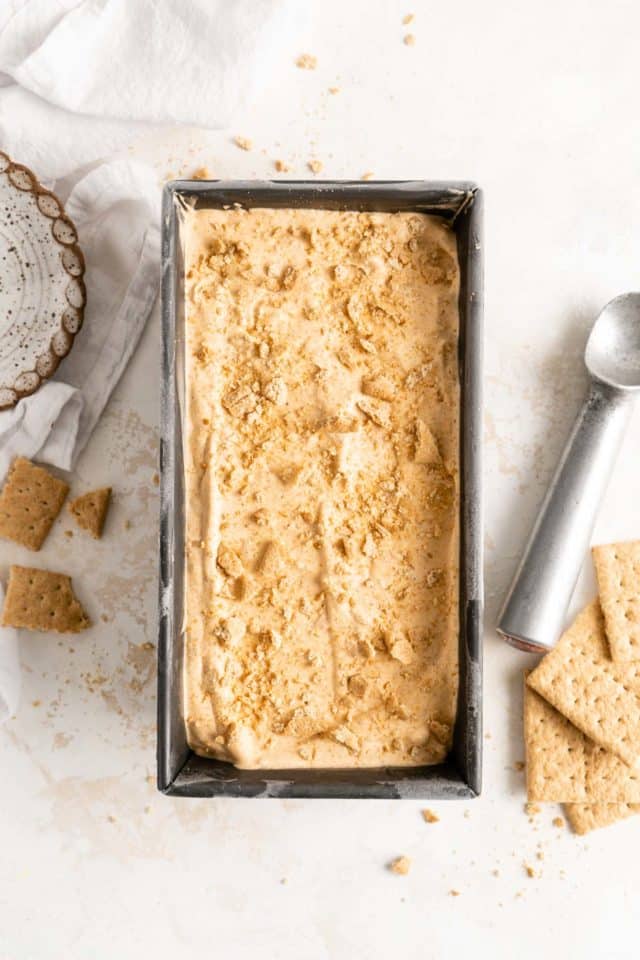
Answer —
533 614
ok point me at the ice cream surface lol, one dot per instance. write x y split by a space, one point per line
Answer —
321 452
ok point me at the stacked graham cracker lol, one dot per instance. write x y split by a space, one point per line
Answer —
582 703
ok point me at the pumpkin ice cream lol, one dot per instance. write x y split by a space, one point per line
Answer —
321 449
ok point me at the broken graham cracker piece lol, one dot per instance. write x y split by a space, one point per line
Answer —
90 510
425 448
30 501
564 766
584 817
618 572
599 696
42 600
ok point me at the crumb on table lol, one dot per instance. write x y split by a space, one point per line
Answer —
315 166
429 816
400 866
409 40
243 142
306 61
558 822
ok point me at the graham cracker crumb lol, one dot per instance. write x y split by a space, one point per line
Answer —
430 817
202 173
282 167
36 703
532 809
407 19
519 766
155 479
409 40
530 872
306 61
315 166
454 893
68 533
558 822
334 90
127 524
400 866
243 142
367 176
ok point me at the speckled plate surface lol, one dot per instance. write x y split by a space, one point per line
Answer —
42 293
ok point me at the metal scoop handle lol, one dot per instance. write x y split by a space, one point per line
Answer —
533 614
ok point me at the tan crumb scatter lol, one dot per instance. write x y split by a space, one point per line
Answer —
409 40
111 818
155 479
306 61
68 533
617 568
334 90
127 524
202 173
558 822
430 817
454 893
530 871
319 630
532 809
368 175
30 501
519 766
540 855
90 510
36 703
495 873
42 600
282 167
315 166
400 866
407 19
244 143
467 814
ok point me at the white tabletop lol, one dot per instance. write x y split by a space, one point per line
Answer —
537 103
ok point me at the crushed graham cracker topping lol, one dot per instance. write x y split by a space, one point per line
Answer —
322 574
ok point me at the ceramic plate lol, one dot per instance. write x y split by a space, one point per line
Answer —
42 293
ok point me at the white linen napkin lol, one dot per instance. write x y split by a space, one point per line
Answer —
159 61
78 80
114 208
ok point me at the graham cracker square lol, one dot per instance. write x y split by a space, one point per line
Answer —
30 501
564 766
42 600
618 572
90 510
584 817
599 696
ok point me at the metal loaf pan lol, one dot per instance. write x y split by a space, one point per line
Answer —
181 772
